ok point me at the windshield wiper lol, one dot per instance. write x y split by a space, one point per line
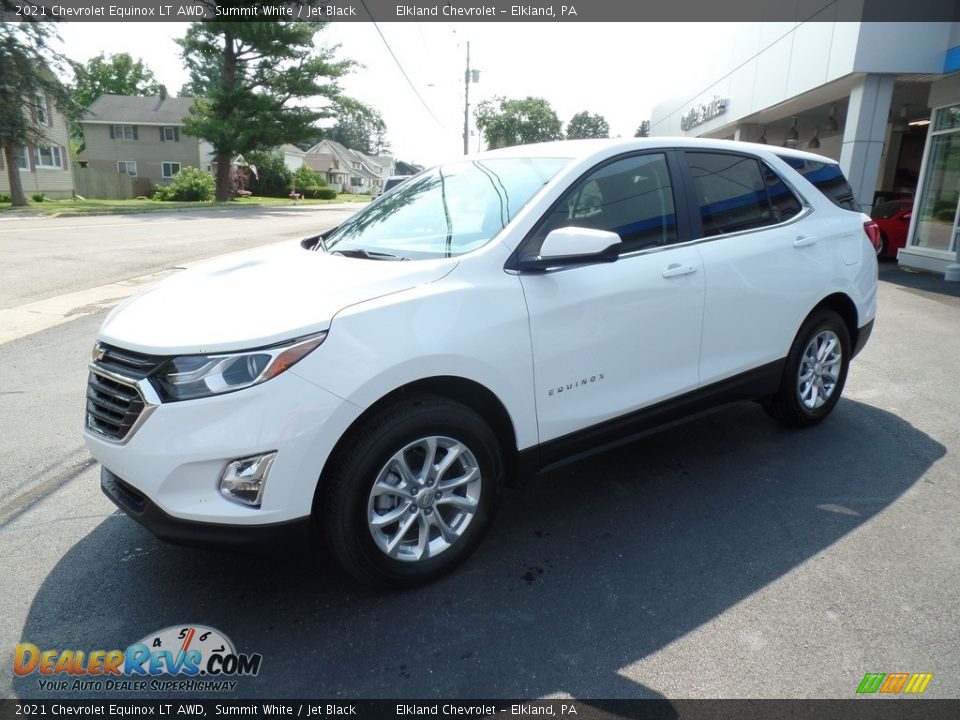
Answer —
368 254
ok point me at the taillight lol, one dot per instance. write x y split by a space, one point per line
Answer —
873 233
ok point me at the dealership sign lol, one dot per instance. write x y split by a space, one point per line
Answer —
699 114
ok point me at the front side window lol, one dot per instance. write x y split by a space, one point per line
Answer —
170 169
446 211
49 157
632 197
127 167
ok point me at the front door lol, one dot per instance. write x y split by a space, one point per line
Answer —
612 338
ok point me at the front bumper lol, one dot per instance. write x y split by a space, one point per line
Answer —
200 534
173 462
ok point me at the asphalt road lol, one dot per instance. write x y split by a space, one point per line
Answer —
729 557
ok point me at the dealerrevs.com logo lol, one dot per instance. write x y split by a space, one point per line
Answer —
200 657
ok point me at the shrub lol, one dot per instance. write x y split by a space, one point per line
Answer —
38 197
273 176
189 184
4 197
305 178
325 193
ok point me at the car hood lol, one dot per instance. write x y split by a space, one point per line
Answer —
256 298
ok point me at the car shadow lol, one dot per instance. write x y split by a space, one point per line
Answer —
925 284
586 571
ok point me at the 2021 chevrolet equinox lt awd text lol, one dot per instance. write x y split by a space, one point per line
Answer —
487 319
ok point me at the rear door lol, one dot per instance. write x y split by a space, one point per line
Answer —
764 268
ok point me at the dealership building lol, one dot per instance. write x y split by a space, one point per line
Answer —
883 99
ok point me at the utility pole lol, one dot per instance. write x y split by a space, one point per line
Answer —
468 77
466 104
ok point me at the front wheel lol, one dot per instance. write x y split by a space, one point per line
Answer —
414 493
815 372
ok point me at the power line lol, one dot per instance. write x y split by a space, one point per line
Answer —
400 67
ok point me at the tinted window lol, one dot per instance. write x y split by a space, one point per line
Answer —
731 192
631 197
784 203
827 178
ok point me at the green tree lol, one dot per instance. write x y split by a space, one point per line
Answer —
584 125
117 74
28 77
250 72
643 130
505 122
359 127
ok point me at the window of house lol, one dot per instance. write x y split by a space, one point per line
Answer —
169 134
48 156
730 191
632 197
356 181
170 169
123 132
41 105
127 167
20 157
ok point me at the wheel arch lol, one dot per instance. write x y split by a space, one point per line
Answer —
843 305
470 393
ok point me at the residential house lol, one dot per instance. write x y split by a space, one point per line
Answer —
44 168
142 137
348 170
292 156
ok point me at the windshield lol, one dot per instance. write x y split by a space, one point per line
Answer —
443 212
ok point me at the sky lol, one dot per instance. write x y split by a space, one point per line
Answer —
619 70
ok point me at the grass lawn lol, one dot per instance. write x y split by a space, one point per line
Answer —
55 208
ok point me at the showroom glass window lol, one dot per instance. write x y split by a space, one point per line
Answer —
937 206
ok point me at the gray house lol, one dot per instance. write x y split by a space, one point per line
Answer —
142 137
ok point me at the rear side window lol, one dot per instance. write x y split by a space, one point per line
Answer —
731 192
827 178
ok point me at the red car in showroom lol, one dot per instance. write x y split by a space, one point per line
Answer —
893 219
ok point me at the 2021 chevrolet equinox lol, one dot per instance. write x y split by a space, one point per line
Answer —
489 318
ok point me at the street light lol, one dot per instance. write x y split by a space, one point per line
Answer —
468 77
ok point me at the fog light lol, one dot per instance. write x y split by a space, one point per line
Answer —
243 480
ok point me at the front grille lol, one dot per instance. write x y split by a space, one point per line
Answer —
112 407
128 363
114 404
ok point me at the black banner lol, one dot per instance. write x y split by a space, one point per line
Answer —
853 709
486 10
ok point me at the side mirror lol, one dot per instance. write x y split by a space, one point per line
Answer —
573 246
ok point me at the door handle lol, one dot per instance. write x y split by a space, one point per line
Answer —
804 241
678 270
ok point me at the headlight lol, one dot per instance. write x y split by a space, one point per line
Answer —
195 376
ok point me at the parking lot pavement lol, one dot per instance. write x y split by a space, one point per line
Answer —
729 557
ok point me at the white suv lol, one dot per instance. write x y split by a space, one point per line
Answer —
490 318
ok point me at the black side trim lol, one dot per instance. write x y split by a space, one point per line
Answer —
198 534
753 384
863 334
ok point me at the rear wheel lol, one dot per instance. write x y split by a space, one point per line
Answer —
815 371
414 494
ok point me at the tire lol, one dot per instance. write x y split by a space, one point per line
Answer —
811 385
380 484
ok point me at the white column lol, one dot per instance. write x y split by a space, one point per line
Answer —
864 134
